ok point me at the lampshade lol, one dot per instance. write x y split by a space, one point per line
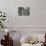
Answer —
7 30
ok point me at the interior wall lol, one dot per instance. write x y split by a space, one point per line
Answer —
37 16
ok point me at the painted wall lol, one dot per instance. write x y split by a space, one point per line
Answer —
37 16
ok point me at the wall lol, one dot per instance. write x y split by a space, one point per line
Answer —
37 17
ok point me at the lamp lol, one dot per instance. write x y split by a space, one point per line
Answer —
7 31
